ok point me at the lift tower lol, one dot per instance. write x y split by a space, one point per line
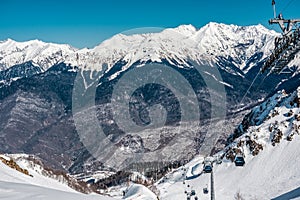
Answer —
286 46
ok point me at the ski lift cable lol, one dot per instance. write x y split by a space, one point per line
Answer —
288 4
257 73
250 87
262 82
253 83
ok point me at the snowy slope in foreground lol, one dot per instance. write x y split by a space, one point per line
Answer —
271 174
268 175
16 186
263 177
19 191
139 192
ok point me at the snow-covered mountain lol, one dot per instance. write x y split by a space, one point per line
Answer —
174 44
37 87
42 54
38 71
186 42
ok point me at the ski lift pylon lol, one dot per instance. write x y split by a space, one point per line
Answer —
286 47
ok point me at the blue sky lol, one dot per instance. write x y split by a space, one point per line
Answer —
86 23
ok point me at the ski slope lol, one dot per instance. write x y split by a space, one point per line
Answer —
23 191
139 192
265 176
15 185
271 174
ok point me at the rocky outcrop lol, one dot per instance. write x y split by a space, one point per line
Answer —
12 164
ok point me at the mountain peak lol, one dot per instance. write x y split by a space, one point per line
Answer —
41 53
180 43
187 30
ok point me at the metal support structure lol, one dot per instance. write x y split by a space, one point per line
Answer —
286 47
286 25
274 8
285 50
212 186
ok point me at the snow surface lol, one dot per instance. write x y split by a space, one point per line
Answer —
136 191
265 176
21 191
15 185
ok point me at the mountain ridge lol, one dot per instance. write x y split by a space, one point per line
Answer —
184 41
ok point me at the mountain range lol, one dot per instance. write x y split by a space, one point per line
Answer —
47 91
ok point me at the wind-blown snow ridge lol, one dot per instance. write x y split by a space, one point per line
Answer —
173 44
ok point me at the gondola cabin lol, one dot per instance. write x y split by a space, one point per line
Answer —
207 168
239 160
